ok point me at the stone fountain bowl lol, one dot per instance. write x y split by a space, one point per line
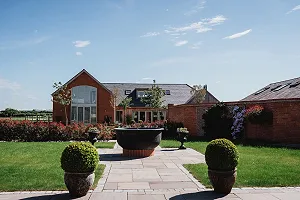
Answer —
139 138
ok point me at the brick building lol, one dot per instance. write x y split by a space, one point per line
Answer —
282 98
91 100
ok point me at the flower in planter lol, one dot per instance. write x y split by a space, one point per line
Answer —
182 130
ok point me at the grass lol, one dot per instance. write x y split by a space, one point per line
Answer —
258 166
106 145
26 166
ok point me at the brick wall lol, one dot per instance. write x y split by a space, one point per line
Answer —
103 99
285 127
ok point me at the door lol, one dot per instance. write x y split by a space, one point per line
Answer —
80 114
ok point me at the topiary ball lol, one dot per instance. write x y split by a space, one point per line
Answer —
79 157
221 154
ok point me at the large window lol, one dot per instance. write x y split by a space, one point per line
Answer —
84 104
84 95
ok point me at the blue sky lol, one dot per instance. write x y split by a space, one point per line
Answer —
235 47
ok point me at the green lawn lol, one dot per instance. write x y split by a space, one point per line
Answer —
35 166
106 145
258 166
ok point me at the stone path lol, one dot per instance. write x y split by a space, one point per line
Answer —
159 177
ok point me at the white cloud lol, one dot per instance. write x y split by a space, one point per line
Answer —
80 43
167 10
237 35
78 53
200 5
150 34
200 27
147 78
6 84
181 43
294 9
196 45
219 19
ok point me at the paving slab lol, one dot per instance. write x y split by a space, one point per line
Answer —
109 196
146 197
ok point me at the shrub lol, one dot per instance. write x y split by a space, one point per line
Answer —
221 154
79 157
171 129
29 131
238 122
218 122
128 119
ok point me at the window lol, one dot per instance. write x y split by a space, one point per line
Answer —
283 86
127 92
262 90
93 96
295 84
84 95
119 116
167 92
93 115
140 94
74 113
142 116
275 87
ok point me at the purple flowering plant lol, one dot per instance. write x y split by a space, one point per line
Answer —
238 121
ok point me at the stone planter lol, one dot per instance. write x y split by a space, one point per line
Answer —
79 184
222 181
138 142
92 136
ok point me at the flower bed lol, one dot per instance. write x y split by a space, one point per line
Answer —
28 131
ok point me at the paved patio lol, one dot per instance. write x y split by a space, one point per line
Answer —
159 177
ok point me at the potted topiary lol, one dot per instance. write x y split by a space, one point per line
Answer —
221 157
79 160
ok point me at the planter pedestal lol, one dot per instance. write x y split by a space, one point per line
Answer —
138 153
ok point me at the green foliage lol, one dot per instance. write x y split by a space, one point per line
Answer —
198 93
218 121
79 157
153 97
171 129
13 130
128 119
125 103
221 154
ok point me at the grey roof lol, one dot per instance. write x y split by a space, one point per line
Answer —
287 89
179 93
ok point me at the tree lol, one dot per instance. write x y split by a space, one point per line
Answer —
125 103
199 93
9 112
62 96
153 97
114 99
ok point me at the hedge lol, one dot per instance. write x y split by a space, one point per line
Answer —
27 131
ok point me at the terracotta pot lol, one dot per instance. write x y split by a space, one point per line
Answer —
79 184
222 181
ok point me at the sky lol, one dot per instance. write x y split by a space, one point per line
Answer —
235 47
